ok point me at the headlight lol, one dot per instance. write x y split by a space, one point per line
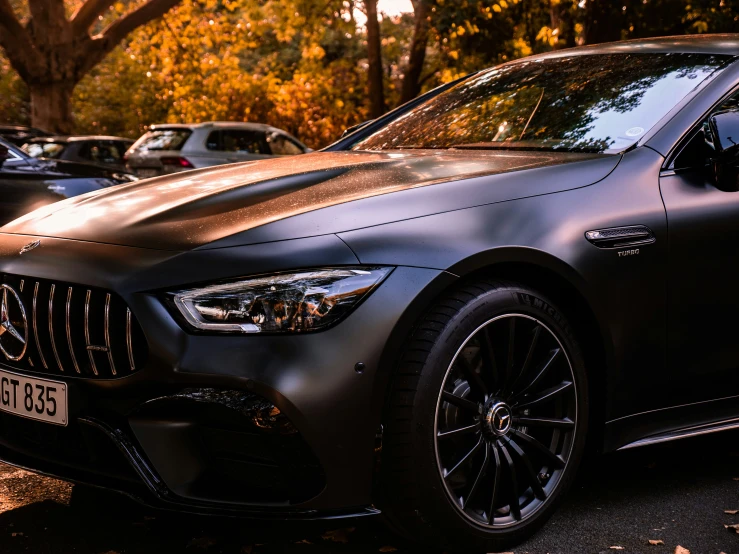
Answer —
288 302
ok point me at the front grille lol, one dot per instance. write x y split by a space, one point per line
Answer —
73 330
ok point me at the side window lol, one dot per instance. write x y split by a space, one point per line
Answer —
105 152
698 150
280 145
237 141
695 154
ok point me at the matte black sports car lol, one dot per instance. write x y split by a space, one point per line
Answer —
27 183
432 318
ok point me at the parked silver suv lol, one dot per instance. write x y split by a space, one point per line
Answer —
168 148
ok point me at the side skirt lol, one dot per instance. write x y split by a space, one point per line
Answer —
685 433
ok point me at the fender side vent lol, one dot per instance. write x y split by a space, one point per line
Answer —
620 237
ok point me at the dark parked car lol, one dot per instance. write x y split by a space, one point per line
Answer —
432 318
28 183
20 134
98 150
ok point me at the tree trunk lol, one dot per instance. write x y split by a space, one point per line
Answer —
374 57
51 53
421 32
560 15
51 108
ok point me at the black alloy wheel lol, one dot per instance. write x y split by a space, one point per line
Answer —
486 420
505 420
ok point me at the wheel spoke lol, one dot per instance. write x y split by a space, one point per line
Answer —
514 505
553 355
496 482
464 459
545 396
473 378
488 354
478 480
460 402
530 473
528 440
511 351
454 433
545 422
527 362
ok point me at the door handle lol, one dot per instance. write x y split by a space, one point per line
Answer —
620 237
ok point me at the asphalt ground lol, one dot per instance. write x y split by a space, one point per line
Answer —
676 493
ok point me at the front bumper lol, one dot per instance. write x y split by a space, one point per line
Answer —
268 425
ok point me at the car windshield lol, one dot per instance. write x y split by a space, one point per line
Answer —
163 139
44 149
589 103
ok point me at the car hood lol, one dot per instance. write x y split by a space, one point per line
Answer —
217 207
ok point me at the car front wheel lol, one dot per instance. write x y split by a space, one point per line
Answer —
486 420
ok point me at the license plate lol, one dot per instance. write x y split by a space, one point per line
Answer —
33 398
146 173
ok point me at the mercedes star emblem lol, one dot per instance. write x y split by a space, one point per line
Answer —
30 246
13 324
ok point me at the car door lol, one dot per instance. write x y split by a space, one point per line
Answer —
703 274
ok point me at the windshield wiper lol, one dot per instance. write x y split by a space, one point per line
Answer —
521 145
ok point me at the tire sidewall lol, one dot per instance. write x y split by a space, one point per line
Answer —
435 506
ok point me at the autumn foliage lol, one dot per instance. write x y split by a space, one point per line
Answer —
303 64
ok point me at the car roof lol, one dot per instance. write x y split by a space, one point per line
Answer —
65 138
216 125
719 44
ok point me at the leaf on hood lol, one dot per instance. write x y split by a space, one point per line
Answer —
680 550
733 526
388 549
655 542
616 548
731 512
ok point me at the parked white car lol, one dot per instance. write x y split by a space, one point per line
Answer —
168 148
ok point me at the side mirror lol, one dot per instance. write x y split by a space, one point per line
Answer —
724 128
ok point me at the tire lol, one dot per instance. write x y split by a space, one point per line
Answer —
517 427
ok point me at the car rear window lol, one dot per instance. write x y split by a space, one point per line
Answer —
163 139
44 149
238 140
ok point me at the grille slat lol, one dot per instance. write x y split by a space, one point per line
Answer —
102 336
87 332
51 328
35 326
107 334
69 329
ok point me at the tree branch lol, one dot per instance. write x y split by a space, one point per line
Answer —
16 42
103 43
87 14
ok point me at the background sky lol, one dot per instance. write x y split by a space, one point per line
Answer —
390 7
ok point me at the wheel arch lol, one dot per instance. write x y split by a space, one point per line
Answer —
544 272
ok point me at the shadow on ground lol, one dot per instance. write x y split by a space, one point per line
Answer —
675 492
